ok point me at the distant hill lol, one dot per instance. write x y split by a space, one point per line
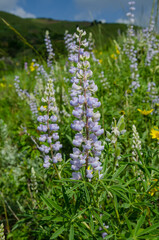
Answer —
33 30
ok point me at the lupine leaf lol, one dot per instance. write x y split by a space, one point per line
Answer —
109 236
149 229
58 232
66 199
118 172
71 235
128 223
51 204
140 223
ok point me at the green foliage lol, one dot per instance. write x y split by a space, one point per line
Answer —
32 31
34 203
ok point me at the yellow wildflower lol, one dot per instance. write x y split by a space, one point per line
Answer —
113 56
100 60
10 85
2 85
117 50
155 133
154 190
145 112
32 67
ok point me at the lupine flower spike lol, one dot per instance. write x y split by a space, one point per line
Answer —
49 127
136 146
49 49
87 147
2 236
129 48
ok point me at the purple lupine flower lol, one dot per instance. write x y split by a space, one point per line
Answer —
57 158
84 104
33 106
44 149
129 48
151 42
46 161
42 128
49 49
26 66
76 176
50 127
43 138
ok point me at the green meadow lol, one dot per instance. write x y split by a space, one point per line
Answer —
40 203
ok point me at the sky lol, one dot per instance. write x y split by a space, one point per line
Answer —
79 10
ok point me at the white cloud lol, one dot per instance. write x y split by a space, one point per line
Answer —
18 11
12 6
122 20
102 20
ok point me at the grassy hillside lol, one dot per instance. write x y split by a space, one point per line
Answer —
34 30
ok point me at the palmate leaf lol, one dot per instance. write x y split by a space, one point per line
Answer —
54 219
120 193
118 172
87 193
84 230
101 211
74 188
128 223
66 199
78 201
58 232
152 168
98 218
51 204
149 230
109 236
71 235
79 214
91 222
140 223
148 237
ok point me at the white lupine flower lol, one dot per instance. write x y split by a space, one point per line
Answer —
136 144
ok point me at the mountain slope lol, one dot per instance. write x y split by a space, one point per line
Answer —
33 30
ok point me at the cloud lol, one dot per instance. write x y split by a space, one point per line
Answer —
102 20
122 20
18 11
12 6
